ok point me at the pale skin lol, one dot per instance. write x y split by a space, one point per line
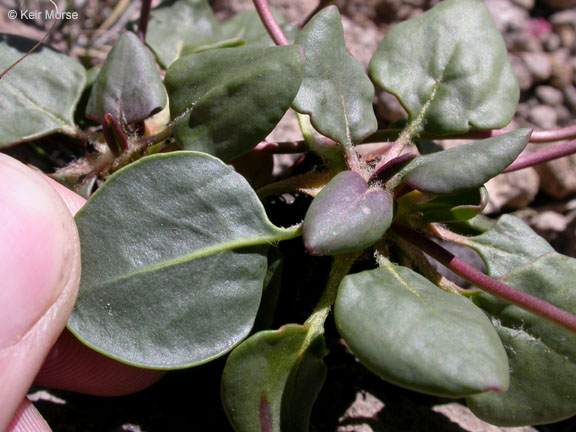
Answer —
39 277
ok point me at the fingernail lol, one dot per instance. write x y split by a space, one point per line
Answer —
33 249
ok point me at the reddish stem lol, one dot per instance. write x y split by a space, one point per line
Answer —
114 135
536 137
144 18
486 283
392 167
542 156
270 22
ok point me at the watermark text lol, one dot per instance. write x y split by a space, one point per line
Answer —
25 14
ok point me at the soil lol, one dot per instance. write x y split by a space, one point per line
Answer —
541 38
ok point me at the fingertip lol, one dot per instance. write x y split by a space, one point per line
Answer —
72 366
28 419
40 268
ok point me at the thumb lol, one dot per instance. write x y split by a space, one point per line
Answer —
39 276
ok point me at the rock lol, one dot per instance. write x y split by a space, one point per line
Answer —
361 40
522 73
549 221
507 15
538 64
359 11
549 95
544 116
565 117
570 97
389 109
286 130
368 413
464 418
564 24
516 189
365 407
558 177
562 72
552 42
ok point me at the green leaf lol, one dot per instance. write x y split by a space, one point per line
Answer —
173 262
449 69
271 380
228 100
128 86
456 207
346 216
246 26
465 167
335 92
542 355
176 24
39 95
508 245
411 333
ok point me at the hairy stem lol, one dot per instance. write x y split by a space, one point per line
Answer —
341 265
525 301
270 22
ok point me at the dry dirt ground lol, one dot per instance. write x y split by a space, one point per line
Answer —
541 38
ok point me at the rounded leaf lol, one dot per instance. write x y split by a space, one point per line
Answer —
449 68
411 333
228 100
173 262
346 216
40 94
178 24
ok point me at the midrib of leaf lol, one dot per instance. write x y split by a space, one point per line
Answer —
538 339
281 234
383 262
63 122
389 266
348 143
179 48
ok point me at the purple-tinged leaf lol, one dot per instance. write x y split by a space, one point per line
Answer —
346 216
128 86
271 380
